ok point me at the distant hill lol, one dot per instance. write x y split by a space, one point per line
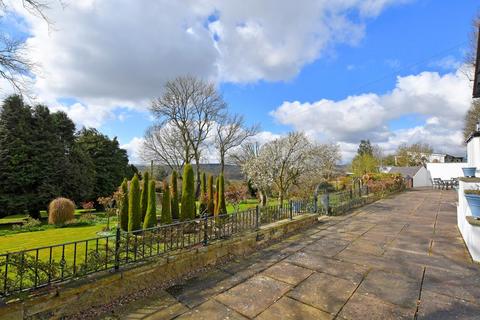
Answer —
232 172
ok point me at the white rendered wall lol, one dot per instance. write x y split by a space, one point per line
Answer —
422 178
446 171
470 234
473 152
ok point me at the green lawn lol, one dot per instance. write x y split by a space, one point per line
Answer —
28 240
52 236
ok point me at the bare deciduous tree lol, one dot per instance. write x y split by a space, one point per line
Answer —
163 145
14 62
192 106
231 132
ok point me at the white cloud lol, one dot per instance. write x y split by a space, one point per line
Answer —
121 52
134 149
441 99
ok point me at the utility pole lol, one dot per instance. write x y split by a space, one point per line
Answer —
476 78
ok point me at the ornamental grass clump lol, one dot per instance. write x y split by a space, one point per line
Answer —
60 211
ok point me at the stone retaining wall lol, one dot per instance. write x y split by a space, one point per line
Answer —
73 297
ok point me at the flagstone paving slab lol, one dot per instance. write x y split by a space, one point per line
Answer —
324 292
211 310
254 296
288 273
289 309
398 258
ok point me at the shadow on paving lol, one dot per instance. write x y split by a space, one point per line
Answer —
399 258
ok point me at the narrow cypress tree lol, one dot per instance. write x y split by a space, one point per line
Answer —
188 194
174 196
134 212
166 216
144 195
211 202
215 200
203 194
124 206
222 205
151 216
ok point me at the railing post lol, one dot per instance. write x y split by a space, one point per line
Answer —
291 209
257 217
117 248
205 230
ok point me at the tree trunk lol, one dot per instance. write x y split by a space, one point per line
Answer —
222 164
197 188
263 198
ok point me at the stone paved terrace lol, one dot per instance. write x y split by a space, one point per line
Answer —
399 258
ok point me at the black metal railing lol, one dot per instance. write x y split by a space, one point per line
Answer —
343 201
31 269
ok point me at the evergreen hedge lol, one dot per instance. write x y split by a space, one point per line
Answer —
124 206
215 196
211 194
134 210
203 194
222 204
174 196
166 216
188 206
144 196
150 220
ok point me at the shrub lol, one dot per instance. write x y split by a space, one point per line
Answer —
88 205
30 224
188 206
60 211
134 211
174 196
474 192
235 194
166 215
203 194
123 205
150 220
211 194
144 195
222 205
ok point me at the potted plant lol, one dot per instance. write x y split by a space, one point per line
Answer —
473 199
469 171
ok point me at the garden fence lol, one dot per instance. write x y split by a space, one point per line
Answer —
31 269
27 270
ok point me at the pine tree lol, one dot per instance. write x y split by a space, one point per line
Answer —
222 205
151 215
211 202
174 196
134 211
166 216
124 206
144 196
203 194
188 206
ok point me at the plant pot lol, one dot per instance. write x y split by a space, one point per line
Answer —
469 171
474 204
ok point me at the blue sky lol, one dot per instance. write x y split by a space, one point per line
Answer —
423 42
